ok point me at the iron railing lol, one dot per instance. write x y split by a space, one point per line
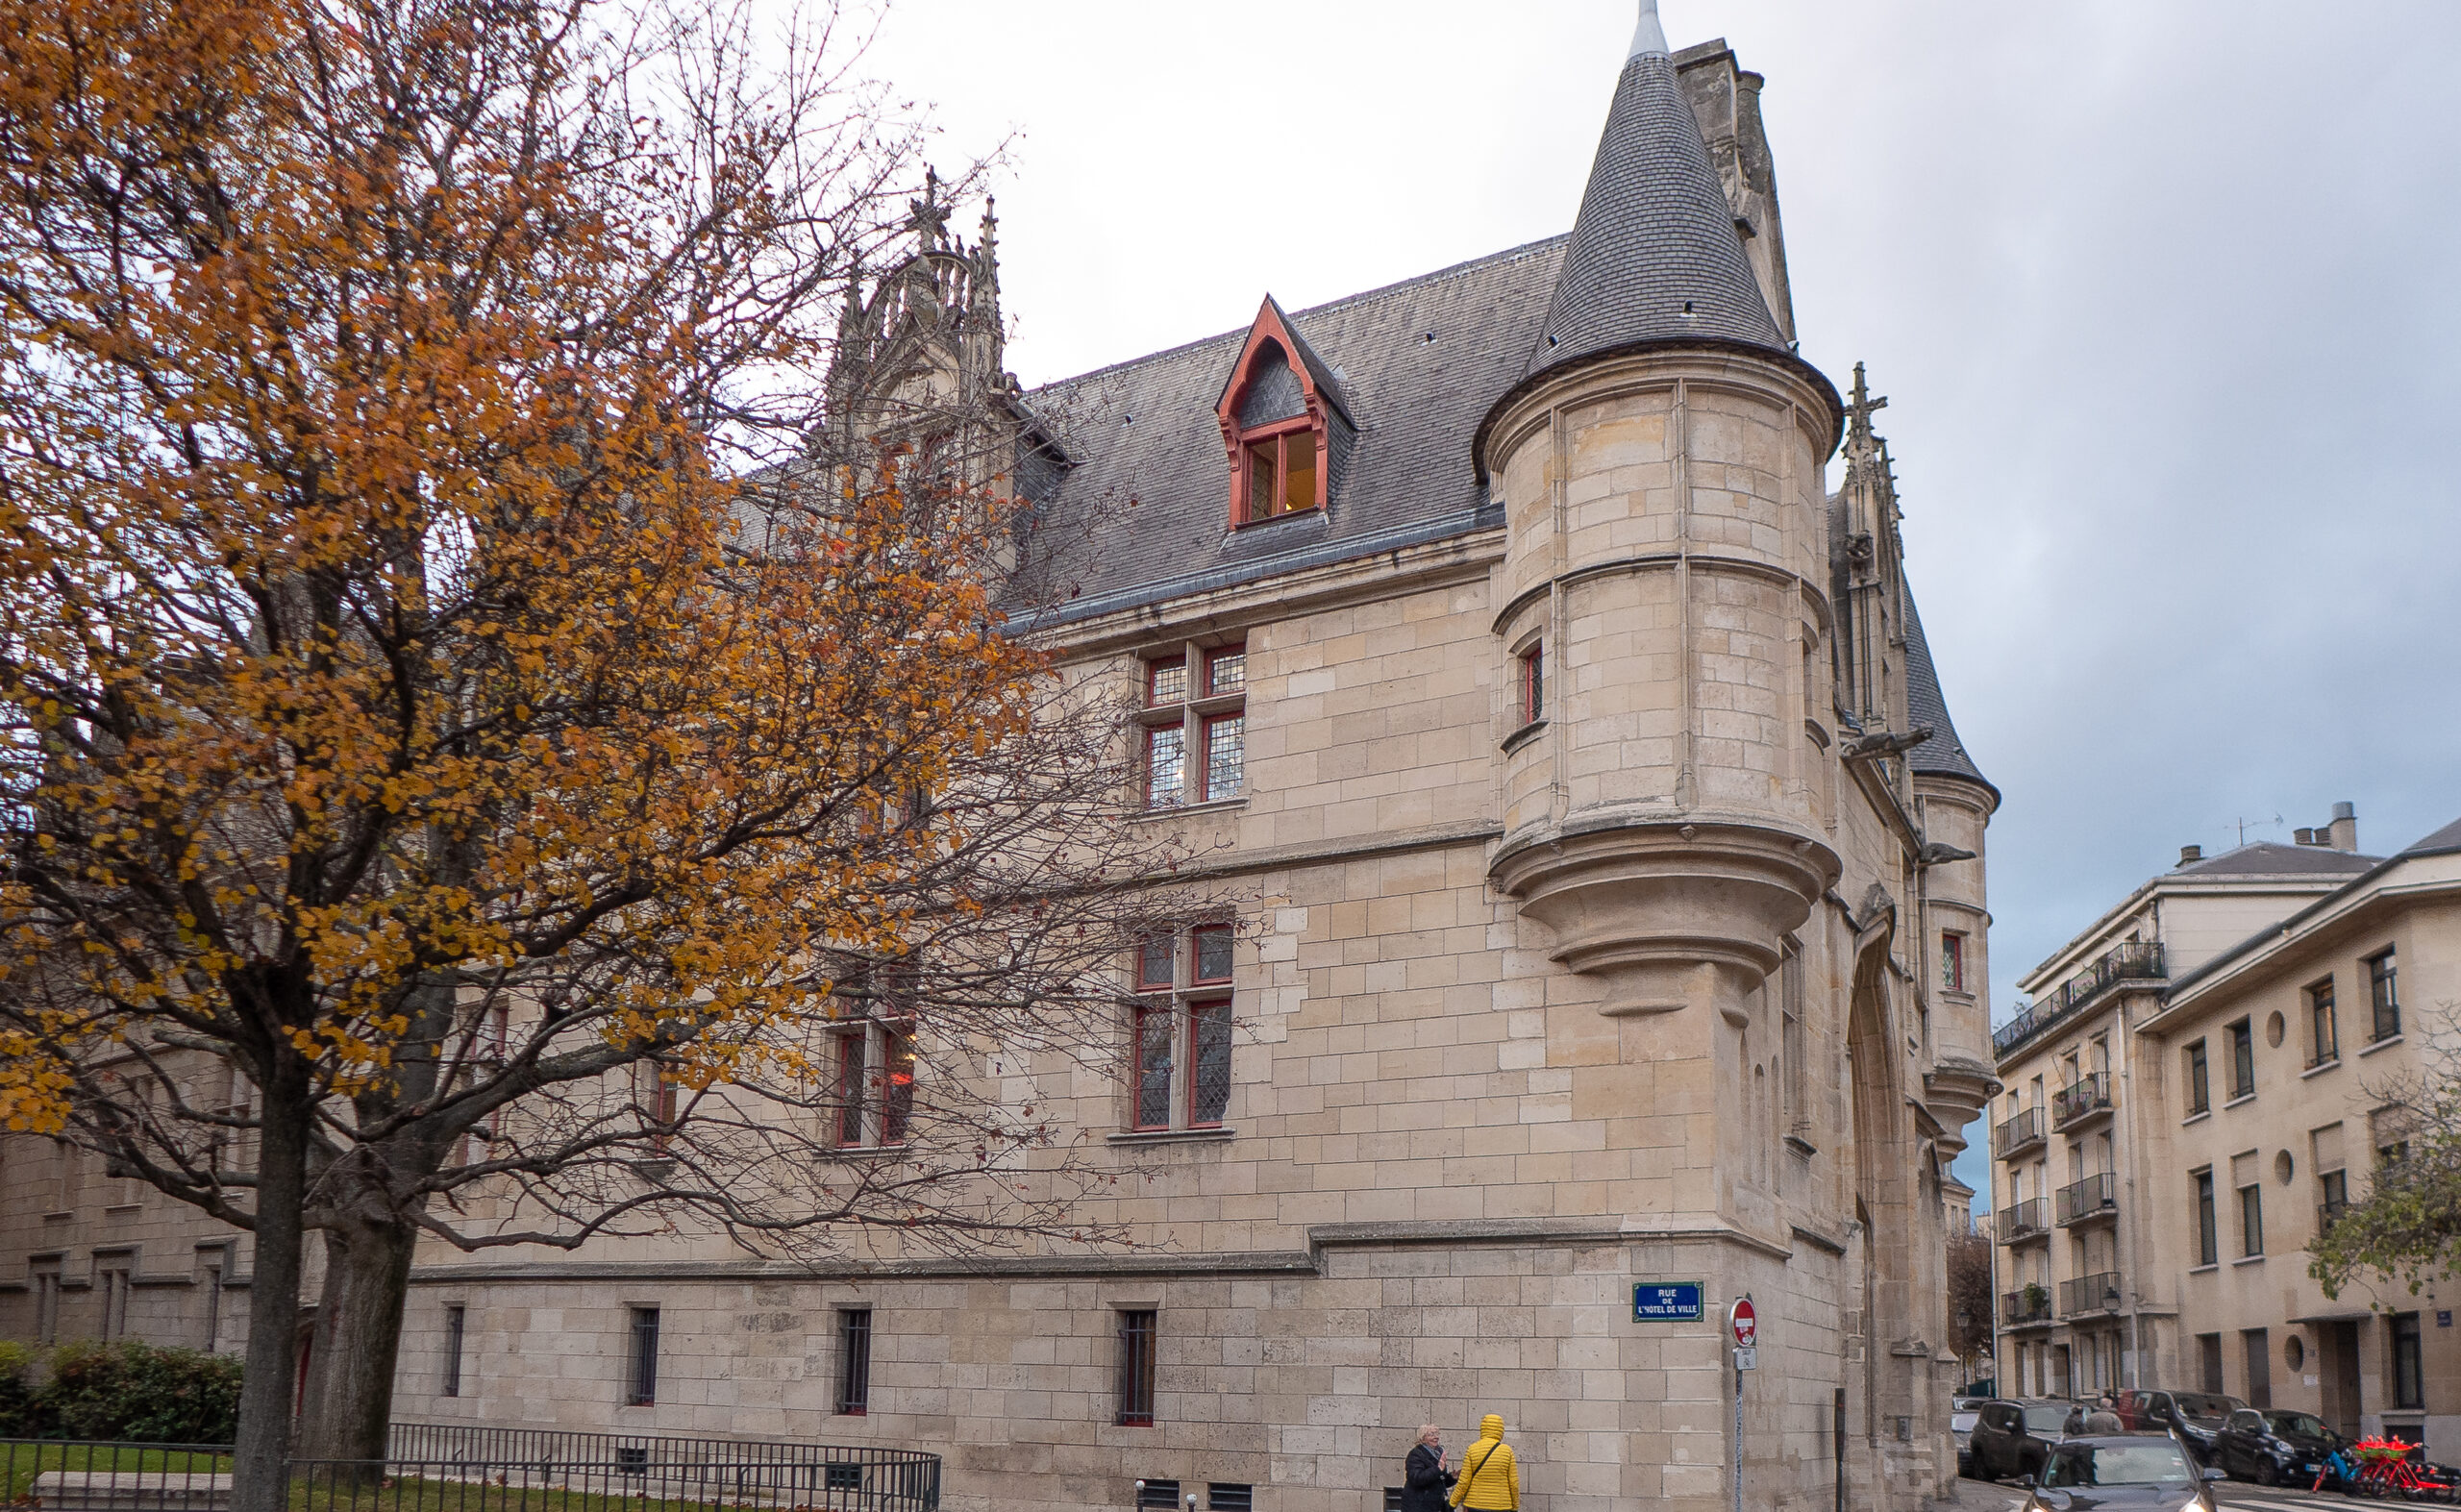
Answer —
2016 1133
2092 1197
2021 1221
136 1477
2081 1099
433 1467
2096 1293
700 1473
2031 1305
2137 960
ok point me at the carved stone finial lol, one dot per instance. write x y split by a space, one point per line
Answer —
930 218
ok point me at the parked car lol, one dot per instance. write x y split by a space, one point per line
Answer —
2195 1416
2016 1438
1961 1420
2117 1471
2274 1448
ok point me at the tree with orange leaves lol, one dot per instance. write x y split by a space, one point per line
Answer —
480 759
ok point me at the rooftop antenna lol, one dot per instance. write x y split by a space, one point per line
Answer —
1648 38
2244 823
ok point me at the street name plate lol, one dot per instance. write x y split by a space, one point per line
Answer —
1666 1302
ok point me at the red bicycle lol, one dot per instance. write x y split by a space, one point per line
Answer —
2385 1470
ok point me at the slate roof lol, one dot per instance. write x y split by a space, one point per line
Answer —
1145 432
1654 254
2448 838
1944 754
2271 858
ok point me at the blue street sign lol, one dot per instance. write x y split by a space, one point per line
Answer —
1666 1302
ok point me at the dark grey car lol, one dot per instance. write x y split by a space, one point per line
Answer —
2015 1438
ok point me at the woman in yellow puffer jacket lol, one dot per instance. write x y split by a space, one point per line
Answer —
1490 1479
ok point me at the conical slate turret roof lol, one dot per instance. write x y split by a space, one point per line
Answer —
1944 754
1655 254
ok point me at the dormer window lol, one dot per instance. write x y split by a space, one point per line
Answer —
1281 471
1281 414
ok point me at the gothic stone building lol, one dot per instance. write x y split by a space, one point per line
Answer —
1619 919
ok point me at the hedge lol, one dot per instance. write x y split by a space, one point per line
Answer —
124 1390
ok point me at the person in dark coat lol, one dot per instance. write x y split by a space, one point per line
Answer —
1424 1478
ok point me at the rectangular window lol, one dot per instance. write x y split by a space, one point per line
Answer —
2323 1027
1166 766
1182 1023
897 1082
1195 728
2410 1381
1137 1332
1222 1496
2255 1345
2198 1081
2209 1348
2208 1246
1155 1037
1225 755
1533 684
1790 1075
2243 1059
2382 995
1156 1495
1952 962
113 1285
2332 1191
854 1361
453 1324
46 1308
852 1047
1208 1062
2251 1219
640 1377
212 1307
1281 473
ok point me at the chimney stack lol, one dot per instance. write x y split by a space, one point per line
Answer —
2305 836
2191 853
2342 834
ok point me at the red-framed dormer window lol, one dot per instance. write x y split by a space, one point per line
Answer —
1277 415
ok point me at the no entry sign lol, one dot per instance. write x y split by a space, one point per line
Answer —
1745 1323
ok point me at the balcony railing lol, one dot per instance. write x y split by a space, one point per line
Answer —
2096 1293
2137 960
2020 1221
2032 1304
2094 1197
2328 1214
2018 1132
2082 1099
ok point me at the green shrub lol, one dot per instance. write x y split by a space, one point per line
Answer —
140 1392
18 1417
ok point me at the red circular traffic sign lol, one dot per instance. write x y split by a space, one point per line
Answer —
1745 1323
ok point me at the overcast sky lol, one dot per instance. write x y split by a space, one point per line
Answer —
2164 295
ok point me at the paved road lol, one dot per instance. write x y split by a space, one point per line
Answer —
2230 1494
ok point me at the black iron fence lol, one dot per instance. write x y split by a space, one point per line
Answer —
2083 1098
127 1478
433 1467
2094 1196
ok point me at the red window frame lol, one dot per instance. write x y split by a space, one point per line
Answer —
1197 1008
1280 434
1146 961
1205 729
1532 681
853 1056
1196 939
1953 961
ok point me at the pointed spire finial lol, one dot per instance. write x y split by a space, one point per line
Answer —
1648 38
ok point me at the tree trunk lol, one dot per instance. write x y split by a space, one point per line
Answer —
259 1473
358 1338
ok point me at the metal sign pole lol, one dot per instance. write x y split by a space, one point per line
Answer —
1743 1330
1738 1437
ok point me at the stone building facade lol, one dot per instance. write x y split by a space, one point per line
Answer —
2206 1071
1616 915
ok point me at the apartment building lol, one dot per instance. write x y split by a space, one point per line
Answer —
2080 1310
2202 1082
2275 1064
